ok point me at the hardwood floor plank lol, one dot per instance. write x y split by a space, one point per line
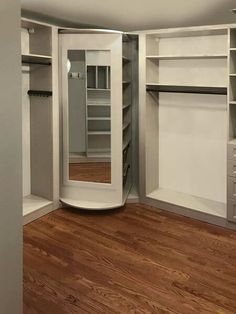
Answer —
134 260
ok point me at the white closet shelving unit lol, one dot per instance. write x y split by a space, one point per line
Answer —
231 163
183 119
127 60
39 120
187 118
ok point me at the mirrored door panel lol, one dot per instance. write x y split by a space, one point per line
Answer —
91 118
89 115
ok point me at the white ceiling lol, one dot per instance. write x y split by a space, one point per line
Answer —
129 15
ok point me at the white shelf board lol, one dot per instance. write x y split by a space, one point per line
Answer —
90 205
31 58
233 102
97 104
99 133
33 55
125 59
126 106
199 56
99 89
232 49
99 154
126 82
98 118
189 201
126 125
35 207
233 141
126 143
160 84
32 203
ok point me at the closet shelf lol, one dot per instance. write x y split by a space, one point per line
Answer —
197 56
99 89
40 93
126 125
125 59
126 106
36 59
99 133
126 82
126 144
233 102
101 153
98 104
232 141
99 119
186 89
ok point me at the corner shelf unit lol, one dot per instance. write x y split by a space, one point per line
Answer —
39 192
183 89
231 161
127 84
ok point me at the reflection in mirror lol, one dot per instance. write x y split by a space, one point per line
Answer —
89 101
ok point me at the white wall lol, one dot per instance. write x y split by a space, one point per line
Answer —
192 144
10 160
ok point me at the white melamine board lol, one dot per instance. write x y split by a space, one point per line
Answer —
199 72
26 132
24 41
98 57
193 56
32 203
189 201
195 45
192 144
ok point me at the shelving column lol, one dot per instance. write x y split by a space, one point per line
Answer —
231 162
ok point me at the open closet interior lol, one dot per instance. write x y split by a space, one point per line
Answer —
151 114
37 118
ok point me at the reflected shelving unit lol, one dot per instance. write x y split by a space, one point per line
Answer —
98 107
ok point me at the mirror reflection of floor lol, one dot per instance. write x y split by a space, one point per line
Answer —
90 172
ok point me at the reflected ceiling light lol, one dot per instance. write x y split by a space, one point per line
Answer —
68 65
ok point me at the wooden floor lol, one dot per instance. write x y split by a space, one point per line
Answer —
135 260
90 172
